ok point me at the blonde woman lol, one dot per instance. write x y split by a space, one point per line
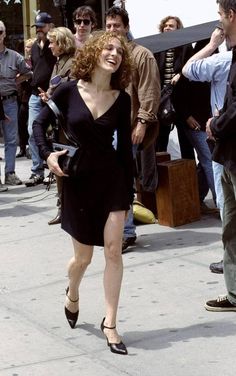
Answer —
62 45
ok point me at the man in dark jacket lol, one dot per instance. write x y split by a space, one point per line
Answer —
170 64
144 91
223 129
42 65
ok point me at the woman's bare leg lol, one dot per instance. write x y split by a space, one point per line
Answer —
113 273
76 269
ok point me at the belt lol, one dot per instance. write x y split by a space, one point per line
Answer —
4 97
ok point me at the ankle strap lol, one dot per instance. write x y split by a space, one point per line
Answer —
72 301
109 327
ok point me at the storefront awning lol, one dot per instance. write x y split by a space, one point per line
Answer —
164 41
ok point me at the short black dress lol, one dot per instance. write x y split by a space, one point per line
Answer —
105 177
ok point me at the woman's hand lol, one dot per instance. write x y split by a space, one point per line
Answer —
43 95
52 162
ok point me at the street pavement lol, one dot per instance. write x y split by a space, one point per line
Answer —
161 314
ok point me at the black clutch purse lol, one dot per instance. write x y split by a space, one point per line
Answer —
69 162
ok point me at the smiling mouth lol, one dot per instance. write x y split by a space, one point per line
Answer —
111 62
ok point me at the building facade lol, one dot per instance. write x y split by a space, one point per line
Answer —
19 15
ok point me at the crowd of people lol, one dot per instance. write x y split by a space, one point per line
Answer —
108 89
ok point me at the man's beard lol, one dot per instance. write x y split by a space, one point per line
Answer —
41 36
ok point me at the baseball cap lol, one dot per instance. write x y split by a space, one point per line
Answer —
41 19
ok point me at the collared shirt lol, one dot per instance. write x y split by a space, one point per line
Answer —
11 64
223 126
144 90
214 69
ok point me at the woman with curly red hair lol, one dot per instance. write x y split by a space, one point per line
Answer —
96 200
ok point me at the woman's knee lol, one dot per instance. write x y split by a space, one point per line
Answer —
82 254
113 251
83 262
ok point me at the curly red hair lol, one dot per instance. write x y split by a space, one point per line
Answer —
86 59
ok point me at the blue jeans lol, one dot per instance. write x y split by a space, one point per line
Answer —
130 228
35 106
203 187
217 172
229 233
198 141
10 133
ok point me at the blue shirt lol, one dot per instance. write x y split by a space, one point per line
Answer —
214 69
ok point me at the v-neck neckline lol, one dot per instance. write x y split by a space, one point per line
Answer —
99 117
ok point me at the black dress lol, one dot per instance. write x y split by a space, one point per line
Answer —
105 178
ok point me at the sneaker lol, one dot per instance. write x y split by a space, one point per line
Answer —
34 180
12 179
3 187
217 267
127 243
221 304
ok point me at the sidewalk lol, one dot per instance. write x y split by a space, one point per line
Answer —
161 315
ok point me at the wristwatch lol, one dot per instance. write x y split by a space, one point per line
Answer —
142 121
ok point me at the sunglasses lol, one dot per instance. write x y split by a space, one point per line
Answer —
1 32
78 21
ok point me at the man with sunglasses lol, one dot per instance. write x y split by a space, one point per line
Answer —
84 19
42 65
13 70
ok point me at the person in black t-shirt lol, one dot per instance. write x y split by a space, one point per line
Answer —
42 65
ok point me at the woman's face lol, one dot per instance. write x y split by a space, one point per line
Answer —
56 51
111 56
28 47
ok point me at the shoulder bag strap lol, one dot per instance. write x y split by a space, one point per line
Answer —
61 122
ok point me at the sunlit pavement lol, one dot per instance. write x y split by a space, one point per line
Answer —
161 314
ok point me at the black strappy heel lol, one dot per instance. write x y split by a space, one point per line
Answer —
117 348
72 317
